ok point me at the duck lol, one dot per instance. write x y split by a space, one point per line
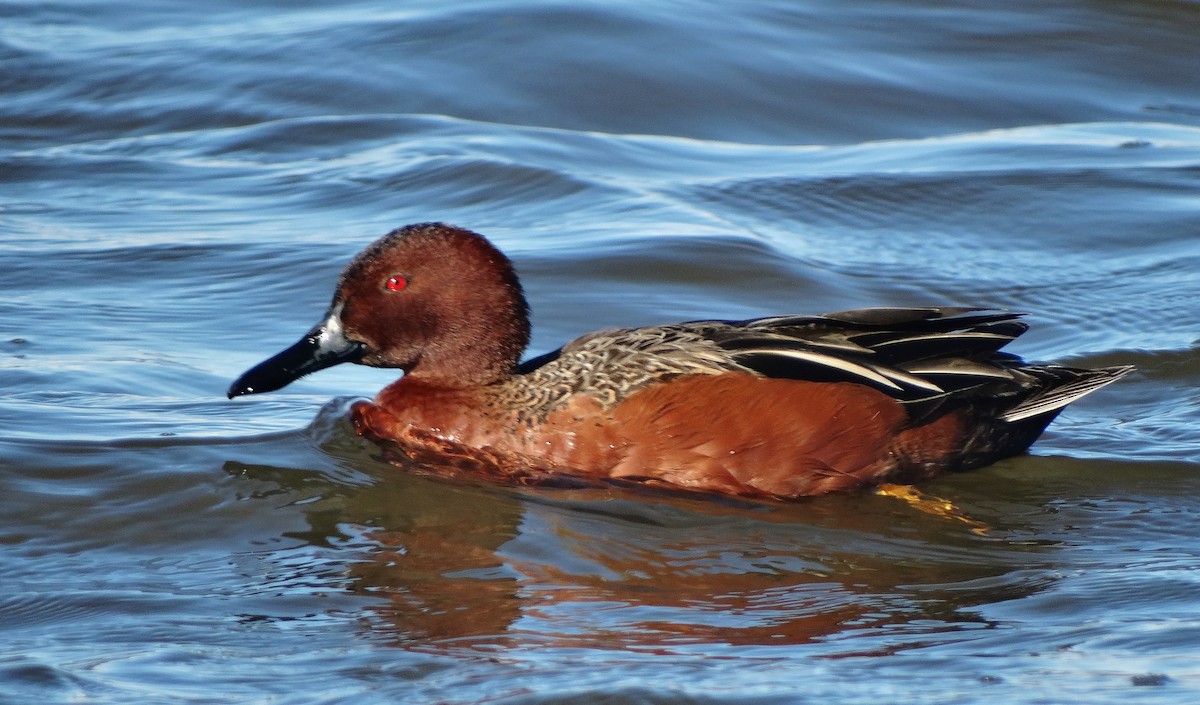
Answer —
779 408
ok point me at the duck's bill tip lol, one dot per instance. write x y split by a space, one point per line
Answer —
238 389
276 373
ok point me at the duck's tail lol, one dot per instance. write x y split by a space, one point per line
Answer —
1004 431
1055 387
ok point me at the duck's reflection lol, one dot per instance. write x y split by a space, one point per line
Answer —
452 564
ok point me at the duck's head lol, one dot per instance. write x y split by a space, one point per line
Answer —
439 302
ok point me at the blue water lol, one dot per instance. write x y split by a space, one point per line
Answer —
180 185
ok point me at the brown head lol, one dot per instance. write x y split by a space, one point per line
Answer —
439 302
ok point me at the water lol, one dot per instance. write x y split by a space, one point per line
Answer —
180 185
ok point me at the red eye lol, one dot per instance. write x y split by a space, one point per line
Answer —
397 283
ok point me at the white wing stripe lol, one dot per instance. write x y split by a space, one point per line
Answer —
826 360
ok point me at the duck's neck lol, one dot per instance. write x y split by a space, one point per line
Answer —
480 350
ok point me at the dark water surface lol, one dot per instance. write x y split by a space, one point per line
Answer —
180 184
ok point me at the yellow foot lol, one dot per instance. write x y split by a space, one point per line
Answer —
931 505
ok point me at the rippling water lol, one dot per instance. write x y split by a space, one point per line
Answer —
181 184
